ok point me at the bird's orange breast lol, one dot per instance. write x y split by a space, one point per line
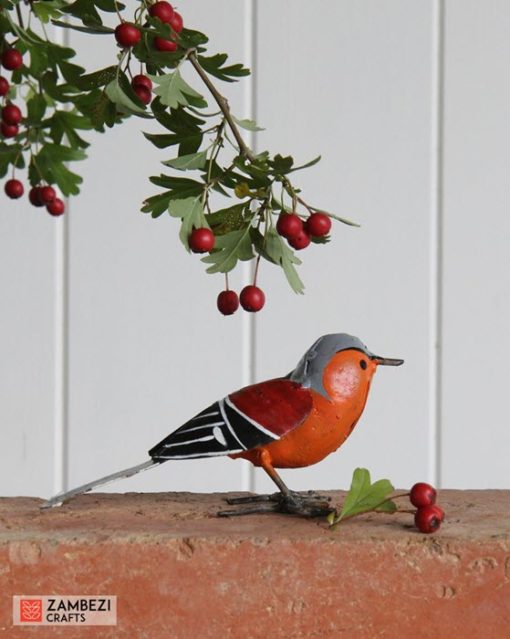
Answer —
329 422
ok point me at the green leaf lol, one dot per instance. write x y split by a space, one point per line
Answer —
276 250
60 153
214 66
124 97
36 106
364 496
280 164
174 91
307 165
191 212
226 220
10 153
98 107
97 29
249 125
97 79
189 38
49 163
387 507
188 162
341 219
66 123
229 249
47 10
182 188
157 204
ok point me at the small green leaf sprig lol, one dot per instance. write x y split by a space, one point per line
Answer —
62 100
365 496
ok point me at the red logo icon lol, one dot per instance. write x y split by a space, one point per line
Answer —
30 610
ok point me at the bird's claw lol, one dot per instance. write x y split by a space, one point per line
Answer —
306 505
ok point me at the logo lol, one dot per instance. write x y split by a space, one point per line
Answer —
30 610
64 610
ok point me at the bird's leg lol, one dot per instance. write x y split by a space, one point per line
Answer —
286 501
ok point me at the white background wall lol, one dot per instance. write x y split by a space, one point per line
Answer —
109 337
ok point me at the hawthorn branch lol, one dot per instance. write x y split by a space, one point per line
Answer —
223 104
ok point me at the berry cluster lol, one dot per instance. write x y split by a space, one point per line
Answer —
252 298
428 516
290 226
60 100
129 35
11 114
299 234
11 118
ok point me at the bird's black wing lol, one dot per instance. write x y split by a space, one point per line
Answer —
220 429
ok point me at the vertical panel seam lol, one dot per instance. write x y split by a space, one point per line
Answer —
249 321
436 258
61 332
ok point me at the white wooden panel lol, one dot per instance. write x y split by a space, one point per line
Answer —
26 347
356 89
476 435
147 347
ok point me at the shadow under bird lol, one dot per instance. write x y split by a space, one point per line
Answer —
287 422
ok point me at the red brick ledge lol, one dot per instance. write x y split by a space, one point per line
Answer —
179 572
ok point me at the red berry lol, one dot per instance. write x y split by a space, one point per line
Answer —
9 130
422 495
47 194
11 114
176 22
289 225
300 241
144 94
318 224
164 45
34 195
14 189
57 207
429 518
227 302
127 35
252 298
162 10
4 87
201 240
12 59
141 80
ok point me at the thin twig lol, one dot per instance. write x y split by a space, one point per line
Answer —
223 104
20 16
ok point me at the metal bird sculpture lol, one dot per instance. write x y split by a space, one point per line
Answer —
287 422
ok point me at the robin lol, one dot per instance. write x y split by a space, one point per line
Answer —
287 422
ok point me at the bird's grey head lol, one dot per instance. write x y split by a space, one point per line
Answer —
310 368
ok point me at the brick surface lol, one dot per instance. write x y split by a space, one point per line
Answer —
179 571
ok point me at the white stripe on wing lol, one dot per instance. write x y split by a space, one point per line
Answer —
191 441
198 455
252 421
222 410
205 415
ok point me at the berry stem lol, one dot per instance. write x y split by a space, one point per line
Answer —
117 11
256 271
226 282
223 104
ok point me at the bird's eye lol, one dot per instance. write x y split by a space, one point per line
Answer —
363 364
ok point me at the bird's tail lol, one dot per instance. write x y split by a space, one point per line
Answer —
58 500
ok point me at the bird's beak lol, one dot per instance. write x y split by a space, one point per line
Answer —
387 361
